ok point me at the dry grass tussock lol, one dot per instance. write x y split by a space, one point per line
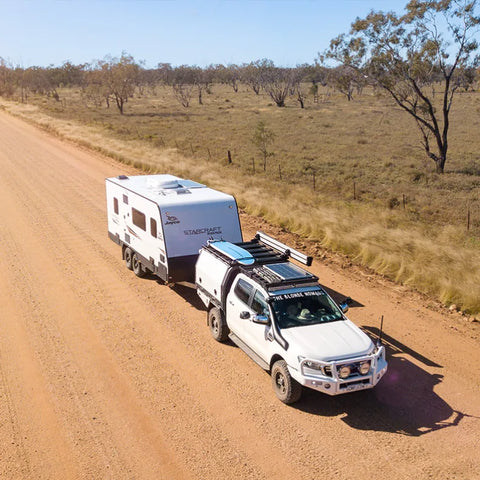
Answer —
423 243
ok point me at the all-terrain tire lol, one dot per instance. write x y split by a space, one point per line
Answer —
137 267
287 389
218 326
128 255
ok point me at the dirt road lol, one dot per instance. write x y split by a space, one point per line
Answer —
104 375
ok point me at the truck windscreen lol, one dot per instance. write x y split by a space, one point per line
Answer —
304 308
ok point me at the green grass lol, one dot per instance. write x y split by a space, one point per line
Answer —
376 198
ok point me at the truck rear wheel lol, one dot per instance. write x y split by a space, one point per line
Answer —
137 266
287 389
218 326
127 255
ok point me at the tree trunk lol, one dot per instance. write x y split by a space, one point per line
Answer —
440 163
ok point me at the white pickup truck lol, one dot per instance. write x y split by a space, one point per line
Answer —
283 319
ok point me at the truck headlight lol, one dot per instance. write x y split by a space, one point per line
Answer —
313 365
344 371
364 367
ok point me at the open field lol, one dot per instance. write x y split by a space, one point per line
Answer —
107 376
350 176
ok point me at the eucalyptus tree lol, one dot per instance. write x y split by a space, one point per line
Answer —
276 81
119 78
414 56
7 79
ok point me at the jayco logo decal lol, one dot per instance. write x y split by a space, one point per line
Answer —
171 220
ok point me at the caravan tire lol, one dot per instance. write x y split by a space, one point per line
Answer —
218 326
137 266
127 255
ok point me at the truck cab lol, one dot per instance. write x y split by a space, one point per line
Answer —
280 315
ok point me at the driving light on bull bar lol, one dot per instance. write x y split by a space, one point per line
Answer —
344 371
364 368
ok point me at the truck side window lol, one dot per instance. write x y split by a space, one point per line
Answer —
153 227
115 205
243 291
259 304
139 219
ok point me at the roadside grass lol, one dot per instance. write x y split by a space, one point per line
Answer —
349 175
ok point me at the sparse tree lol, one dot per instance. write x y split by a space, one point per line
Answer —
277 82
184 84
95 89
262 138
120 77
229 75
183 92
7 79
407 56
299 75
42 81
345 80
165 73
251 75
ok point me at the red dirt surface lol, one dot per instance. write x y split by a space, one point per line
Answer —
104 375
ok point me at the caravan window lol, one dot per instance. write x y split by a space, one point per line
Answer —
115 205
153 227
139 219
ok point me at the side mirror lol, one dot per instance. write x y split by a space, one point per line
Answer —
244 315
344 305
261 320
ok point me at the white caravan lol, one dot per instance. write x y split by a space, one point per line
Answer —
162 221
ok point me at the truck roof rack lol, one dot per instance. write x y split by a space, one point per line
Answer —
270 267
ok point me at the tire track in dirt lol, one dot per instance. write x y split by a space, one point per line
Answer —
66 250
62 339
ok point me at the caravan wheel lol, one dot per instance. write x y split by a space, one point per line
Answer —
127 255
137 266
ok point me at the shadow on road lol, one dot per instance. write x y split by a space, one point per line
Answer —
404 402
189 294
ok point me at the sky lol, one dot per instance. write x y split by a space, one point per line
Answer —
180 32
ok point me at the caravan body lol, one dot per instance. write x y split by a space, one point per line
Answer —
164 220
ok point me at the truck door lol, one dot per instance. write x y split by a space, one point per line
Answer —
244 297
237 302
257 336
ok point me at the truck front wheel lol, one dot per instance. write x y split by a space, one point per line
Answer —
287 389
218 326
